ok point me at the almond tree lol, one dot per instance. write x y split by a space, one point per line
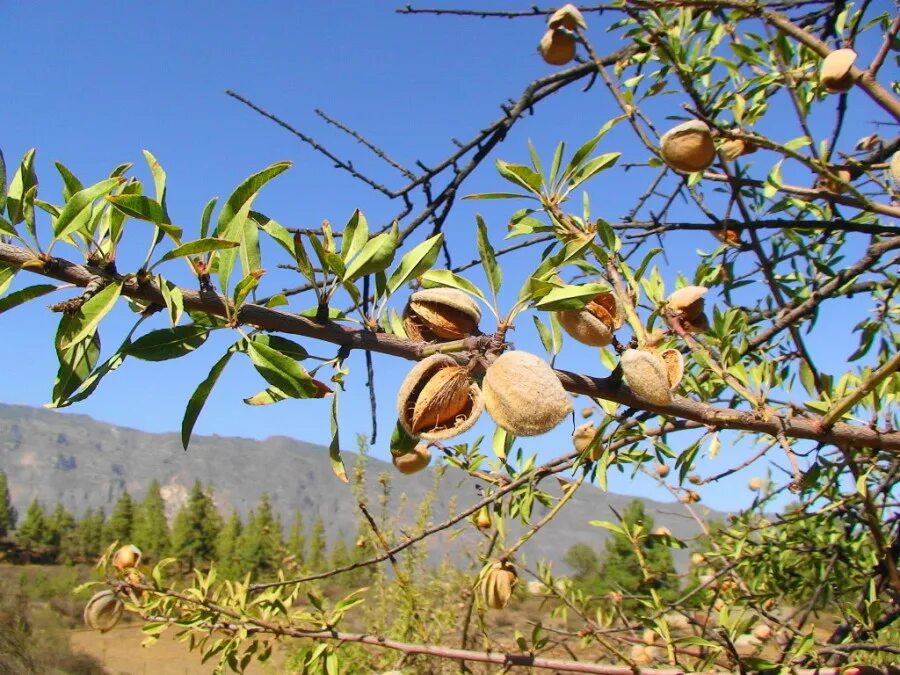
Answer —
692 357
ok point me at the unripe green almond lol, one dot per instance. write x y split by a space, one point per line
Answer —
688 147
523 395
647 376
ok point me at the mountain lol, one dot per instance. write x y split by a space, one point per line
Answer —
82 463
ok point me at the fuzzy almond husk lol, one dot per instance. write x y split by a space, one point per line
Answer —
593 325
413 461
439 414
568 16
688 147
440 314
736 147
647 375
687 301
895 168
103 611
523 395
830 185
497 584
835 73
587 411
674 366
127 556
582 438
557 48
662 470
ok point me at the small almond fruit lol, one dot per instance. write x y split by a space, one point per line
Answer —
762 631
687 302
557 48
582 438
594 325
483 519
756 483
413 461
587 411
662 470
647 376
127 556
523 395
440 314
835 73
568 16
736 147
438 399
698 558
103 611
648 637
689 497
688 147
674 366
497 584
662 532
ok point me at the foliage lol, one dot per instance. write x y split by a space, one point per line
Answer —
8 515
120 524
797 224
150 528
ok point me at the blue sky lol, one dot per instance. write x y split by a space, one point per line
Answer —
91 84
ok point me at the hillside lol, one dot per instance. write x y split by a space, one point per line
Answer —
83 463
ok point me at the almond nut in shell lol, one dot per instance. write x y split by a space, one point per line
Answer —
413 461
688 147
594 325
835 73
497 584
647 375
523 395
438 400
557 48
103 611
440 314
127 556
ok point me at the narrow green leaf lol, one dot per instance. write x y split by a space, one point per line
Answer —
593 167
246 192
355 236
173 298
168 343
76 362
7 228
198 246
488 258
198 399
280 370
70 218
501 443
375 256
570 297
2 182
544 334
433 278
276 230
90 383
414 263
159 182
93 311
206 216
71 184
267 397
23 180
232 230
24 295
557 160
401 442
582 153
521 175
142 207
334 448
7 274
498 195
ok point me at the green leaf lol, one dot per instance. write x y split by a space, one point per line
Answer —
93 311
570 297
544 334
24 295
498 195
280 370
433 278
198 246
521 175
606 525
173 298
23 180
592 168
7 228
159 183
488 258
401 442
334 448
233 230
168 343
76 362
198 398
356 234
71 184
587 148
375 256
142 207
206 216
2 182
267 396
283 345
77 209
414 263
244 193
243 288
557 160
7 274
501 443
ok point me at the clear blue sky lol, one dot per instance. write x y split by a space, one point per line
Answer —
90 84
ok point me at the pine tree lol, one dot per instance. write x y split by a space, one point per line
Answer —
622 568
196 528
317 546
84 542
33 531
340 555
121 521
8 513
260 544
296 543
226 548
59 524
151 530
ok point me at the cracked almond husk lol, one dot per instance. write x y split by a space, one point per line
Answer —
569 17
688 147
687 301
557 48
440 314
647 375
127 556
835 73
103 611
413 461
523 395
497 584
674 366
438 399
594 325
737 147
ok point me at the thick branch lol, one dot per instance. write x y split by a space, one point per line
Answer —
611 389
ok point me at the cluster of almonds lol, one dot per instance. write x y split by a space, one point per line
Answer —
439 399
557 46
497 584
103 611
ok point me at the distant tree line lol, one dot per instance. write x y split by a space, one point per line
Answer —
198 535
